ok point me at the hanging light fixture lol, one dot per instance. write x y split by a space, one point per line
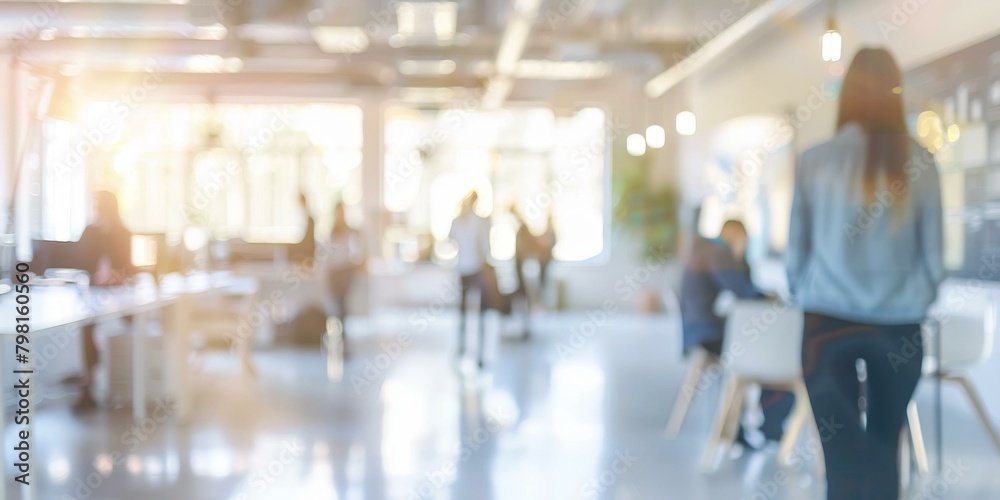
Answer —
635 144
687 123
832 43
656 137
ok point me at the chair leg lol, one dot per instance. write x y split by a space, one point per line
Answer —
904 457
800 416
978 405
733 418
917 438
699 360
729 393
249 367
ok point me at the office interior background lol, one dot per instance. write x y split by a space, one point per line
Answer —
617 129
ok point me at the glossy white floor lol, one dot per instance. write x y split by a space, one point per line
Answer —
567 415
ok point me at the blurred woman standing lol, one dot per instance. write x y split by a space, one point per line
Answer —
864 262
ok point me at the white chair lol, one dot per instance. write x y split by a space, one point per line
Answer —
966 341
763 346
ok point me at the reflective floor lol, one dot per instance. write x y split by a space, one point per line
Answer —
576 412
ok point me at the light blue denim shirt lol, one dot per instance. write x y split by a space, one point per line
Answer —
877 261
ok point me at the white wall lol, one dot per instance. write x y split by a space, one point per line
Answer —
775 70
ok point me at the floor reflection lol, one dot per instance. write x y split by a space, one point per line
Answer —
549 419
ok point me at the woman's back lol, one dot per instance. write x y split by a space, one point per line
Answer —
870 257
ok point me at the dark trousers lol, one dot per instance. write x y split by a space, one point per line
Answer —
91 355
862 461
543 267
475 285
776 405
339 285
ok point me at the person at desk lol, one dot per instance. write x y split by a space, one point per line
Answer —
106 246
716 265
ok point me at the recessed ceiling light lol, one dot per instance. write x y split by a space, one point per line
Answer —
432 67
561 70
423 94
211 32
214 63
340 39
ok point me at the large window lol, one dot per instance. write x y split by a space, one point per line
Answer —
551 169
56 182
234 170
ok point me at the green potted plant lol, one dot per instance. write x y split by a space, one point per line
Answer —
647 211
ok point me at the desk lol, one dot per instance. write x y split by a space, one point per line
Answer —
68 307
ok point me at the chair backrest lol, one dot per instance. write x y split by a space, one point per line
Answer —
764 341
966 338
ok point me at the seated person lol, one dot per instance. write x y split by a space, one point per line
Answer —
716 265
106 247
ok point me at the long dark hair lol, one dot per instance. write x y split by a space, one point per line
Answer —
872 97
107 209
338 228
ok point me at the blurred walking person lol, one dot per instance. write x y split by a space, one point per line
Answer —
471 233
341 256
301 252
864 262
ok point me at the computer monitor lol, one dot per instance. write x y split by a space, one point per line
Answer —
144 251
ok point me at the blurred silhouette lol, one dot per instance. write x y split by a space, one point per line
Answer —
528 247
716 265
300 252
341 256
864 262
471 233
107 247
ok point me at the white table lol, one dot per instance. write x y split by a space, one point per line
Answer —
69 307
